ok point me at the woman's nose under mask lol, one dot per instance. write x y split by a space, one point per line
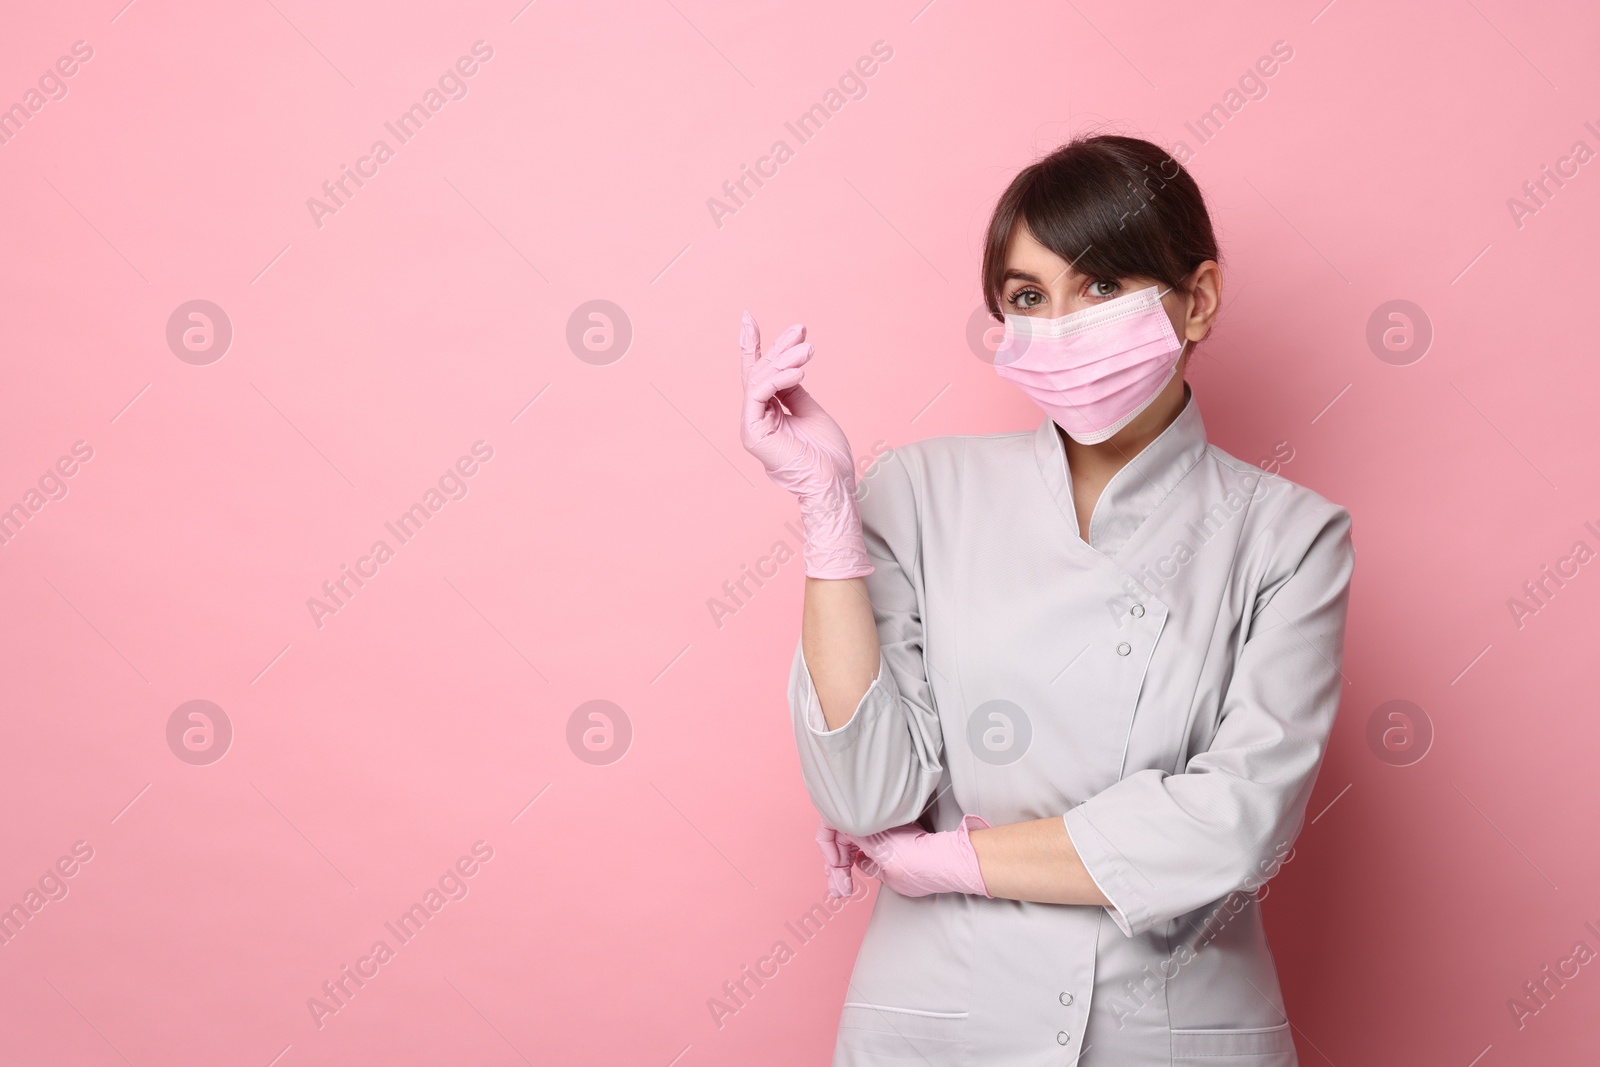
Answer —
1096 369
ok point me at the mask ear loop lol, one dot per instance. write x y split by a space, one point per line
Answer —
1183 344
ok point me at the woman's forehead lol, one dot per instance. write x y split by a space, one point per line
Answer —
1030 260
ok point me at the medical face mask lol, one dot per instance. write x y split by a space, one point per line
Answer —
1094 370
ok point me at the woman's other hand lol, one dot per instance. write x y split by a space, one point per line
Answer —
837 856
915 863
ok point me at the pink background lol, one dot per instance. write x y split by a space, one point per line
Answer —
368 354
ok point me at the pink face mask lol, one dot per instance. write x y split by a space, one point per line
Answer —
1092 371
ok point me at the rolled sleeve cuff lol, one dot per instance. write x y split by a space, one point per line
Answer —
811 713
1128 908
863 777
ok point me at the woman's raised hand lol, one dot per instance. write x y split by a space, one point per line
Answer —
802 449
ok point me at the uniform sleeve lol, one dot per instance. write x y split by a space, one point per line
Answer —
880 769
1160 845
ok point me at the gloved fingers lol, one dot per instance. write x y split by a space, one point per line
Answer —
801 404
767 380
840 882
775 363
863 850
751 358
762 376
895 847
759 418
789 356
828 841
784 382
754 356
837 854
839 849
792 336
846 840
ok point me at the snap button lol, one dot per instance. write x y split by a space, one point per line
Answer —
1066 998
1062 1037
1124 648
1137 611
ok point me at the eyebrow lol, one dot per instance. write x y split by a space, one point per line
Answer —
1022 275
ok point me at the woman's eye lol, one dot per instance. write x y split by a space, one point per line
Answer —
1026 298
1103 288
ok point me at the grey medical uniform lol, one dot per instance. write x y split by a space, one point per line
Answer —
1167 688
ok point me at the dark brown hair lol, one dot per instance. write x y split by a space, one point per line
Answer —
1111 206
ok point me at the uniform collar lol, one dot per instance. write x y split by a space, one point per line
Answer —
1135 490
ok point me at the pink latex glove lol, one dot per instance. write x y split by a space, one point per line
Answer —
915 863
802 449
837 856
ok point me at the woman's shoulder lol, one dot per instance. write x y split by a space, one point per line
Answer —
1286 510
946 450
897 477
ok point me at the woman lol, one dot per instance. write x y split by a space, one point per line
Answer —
1064 691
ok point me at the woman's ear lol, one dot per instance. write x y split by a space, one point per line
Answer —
1205 292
